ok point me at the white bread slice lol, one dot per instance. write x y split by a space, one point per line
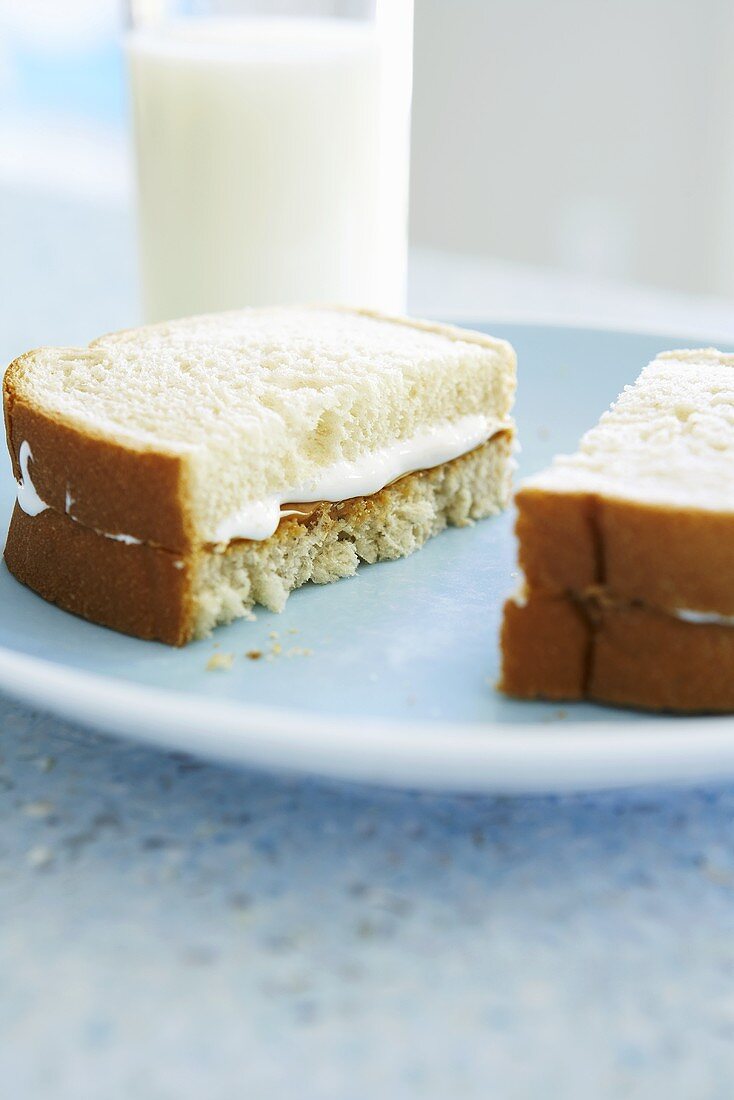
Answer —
253 403
667 440
645 507
144 446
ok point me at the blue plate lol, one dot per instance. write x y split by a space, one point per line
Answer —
386 677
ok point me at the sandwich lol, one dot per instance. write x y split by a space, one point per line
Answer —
627 550
172 477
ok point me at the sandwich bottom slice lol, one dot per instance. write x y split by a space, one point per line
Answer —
142 589
567 647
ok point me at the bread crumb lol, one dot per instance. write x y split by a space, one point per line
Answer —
292 630
250 617
220 661
276 649
555 716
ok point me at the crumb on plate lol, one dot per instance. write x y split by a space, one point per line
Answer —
220 661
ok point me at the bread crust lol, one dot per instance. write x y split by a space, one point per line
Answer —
555 646
544 646
136 589
114 488
671 558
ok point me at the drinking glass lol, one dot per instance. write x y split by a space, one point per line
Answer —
272 151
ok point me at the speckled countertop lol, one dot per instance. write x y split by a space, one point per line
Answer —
171 930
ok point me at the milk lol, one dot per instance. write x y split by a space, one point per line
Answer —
272 164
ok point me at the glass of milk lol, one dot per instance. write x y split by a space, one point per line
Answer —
272 143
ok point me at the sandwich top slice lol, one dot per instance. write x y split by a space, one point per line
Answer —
627 549
191 445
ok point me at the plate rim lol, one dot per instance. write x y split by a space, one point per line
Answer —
472 757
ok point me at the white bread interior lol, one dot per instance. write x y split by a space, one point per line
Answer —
667 440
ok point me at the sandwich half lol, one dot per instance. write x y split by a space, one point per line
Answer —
171 477
627 549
